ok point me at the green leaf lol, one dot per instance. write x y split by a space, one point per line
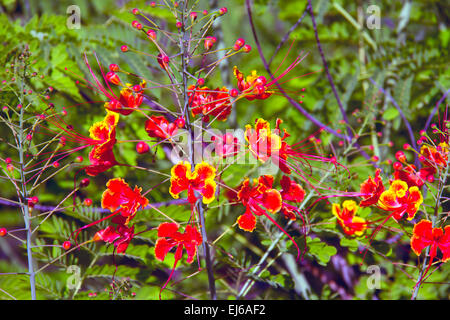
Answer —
390 114
320 250
352 244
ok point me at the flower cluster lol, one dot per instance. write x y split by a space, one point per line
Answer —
123 202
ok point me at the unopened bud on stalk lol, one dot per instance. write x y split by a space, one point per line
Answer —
397 166
142 147
151 34
66 245
400 156
234 92
223 10
85 182
113 67
247 48
180 122
79 159
113 78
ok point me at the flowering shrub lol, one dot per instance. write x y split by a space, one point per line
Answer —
218 195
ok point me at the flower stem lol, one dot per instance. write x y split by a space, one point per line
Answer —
24 200
184 60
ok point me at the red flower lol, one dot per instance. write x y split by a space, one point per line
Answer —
128 102
412 177
399 199
211 103
123 203
201 180
226 145
256 87
347 219
261 196
435 156
120 236
425 235
371 189
252 86
256 199
267 145
291 191
121 199
103 137
160 127
169 237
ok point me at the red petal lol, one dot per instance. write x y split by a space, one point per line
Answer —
272 200
247 222
162 247
167 229
422 236
444 244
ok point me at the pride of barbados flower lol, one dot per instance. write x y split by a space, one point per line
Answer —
120 198
371 190
128 101
201 180
399 199
210 103
424 235
347 219
120 236
103 137
257 198
261 197
252 86
267 145
123 202
160 127
169 237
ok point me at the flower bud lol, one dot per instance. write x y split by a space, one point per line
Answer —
180 122
151 34
397 166
66 245
124 48
85 182
142 147
3 232
113 67
200 81
113 78
400 156
247 48
79 159
88 202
